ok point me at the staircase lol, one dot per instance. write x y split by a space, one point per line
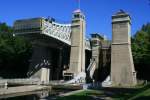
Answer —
91 68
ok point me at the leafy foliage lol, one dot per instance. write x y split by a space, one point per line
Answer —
141 51
15 52
5 29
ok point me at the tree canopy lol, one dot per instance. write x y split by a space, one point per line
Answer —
141 51
15 52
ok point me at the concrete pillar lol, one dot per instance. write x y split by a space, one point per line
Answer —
122 66
44 75
48 74
77 55
96 46
59 69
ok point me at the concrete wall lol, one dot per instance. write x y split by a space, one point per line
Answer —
122 67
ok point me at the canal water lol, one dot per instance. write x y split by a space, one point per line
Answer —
37 95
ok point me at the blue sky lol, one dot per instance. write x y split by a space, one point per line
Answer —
98 12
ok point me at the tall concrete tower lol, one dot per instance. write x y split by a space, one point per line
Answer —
96 47
77 55
122 66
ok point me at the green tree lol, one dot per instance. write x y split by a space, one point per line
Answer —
141 52
4 28
15 53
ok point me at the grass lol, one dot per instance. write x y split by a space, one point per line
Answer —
143 94
85 95
138 93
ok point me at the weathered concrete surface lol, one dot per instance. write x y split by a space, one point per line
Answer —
22 89
122 66
77 55
96 46
101 56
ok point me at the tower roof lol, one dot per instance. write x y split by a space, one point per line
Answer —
77 11
120 14
78 14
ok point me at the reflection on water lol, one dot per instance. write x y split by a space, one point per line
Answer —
28 97
37 95
40 95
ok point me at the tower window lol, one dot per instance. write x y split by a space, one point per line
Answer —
76 16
